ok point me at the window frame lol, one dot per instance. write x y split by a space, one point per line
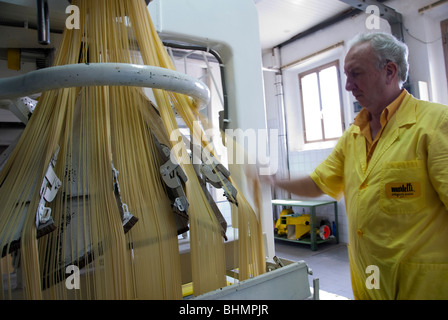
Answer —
317 70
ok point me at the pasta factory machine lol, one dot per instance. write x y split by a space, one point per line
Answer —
237 44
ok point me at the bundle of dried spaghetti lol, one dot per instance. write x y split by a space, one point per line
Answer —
249 245
102 139
98 142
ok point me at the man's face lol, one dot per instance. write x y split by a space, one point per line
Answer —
364 80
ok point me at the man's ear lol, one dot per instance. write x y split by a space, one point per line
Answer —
391 72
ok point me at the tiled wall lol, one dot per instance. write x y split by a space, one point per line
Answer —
303 163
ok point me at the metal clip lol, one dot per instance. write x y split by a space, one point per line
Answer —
126 217
174 178
211 171
48 191
216 174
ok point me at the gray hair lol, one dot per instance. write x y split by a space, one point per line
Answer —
387 48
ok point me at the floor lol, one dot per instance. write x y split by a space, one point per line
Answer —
329 264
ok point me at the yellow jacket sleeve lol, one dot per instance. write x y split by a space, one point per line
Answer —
437 158
329 175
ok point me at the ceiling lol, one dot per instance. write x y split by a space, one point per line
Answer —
283 20
280 20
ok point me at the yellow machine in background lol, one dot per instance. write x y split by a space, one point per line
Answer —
294 226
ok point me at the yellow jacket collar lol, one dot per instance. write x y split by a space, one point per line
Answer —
405 115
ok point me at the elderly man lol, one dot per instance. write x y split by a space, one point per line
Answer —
391 166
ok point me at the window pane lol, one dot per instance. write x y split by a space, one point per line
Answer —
331 107
311 107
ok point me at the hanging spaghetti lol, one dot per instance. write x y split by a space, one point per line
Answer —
99 141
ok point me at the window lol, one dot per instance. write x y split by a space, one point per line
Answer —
321 103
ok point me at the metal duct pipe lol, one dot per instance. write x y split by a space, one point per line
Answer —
43 22
224 115
103 74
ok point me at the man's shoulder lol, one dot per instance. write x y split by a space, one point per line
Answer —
427 108
426 103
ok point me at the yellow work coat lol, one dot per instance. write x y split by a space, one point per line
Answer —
396 204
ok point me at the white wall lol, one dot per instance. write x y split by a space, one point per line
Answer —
426 64
423 36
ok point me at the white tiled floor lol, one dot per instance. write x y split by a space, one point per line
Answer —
329 264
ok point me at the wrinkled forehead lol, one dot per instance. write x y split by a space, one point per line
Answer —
360 54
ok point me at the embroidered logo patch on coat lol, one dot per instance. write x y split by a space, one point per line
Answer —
403 190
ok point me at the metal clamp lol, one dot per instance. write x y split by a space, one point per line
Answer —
48 190
211 171
128 220
174 178
216 174
22 107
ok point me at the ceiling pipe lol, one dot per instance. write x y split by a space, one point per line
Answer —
357 6
394 18
43 22
350 13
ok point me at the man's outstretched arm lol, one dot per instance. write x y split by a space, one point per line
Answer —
304 186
